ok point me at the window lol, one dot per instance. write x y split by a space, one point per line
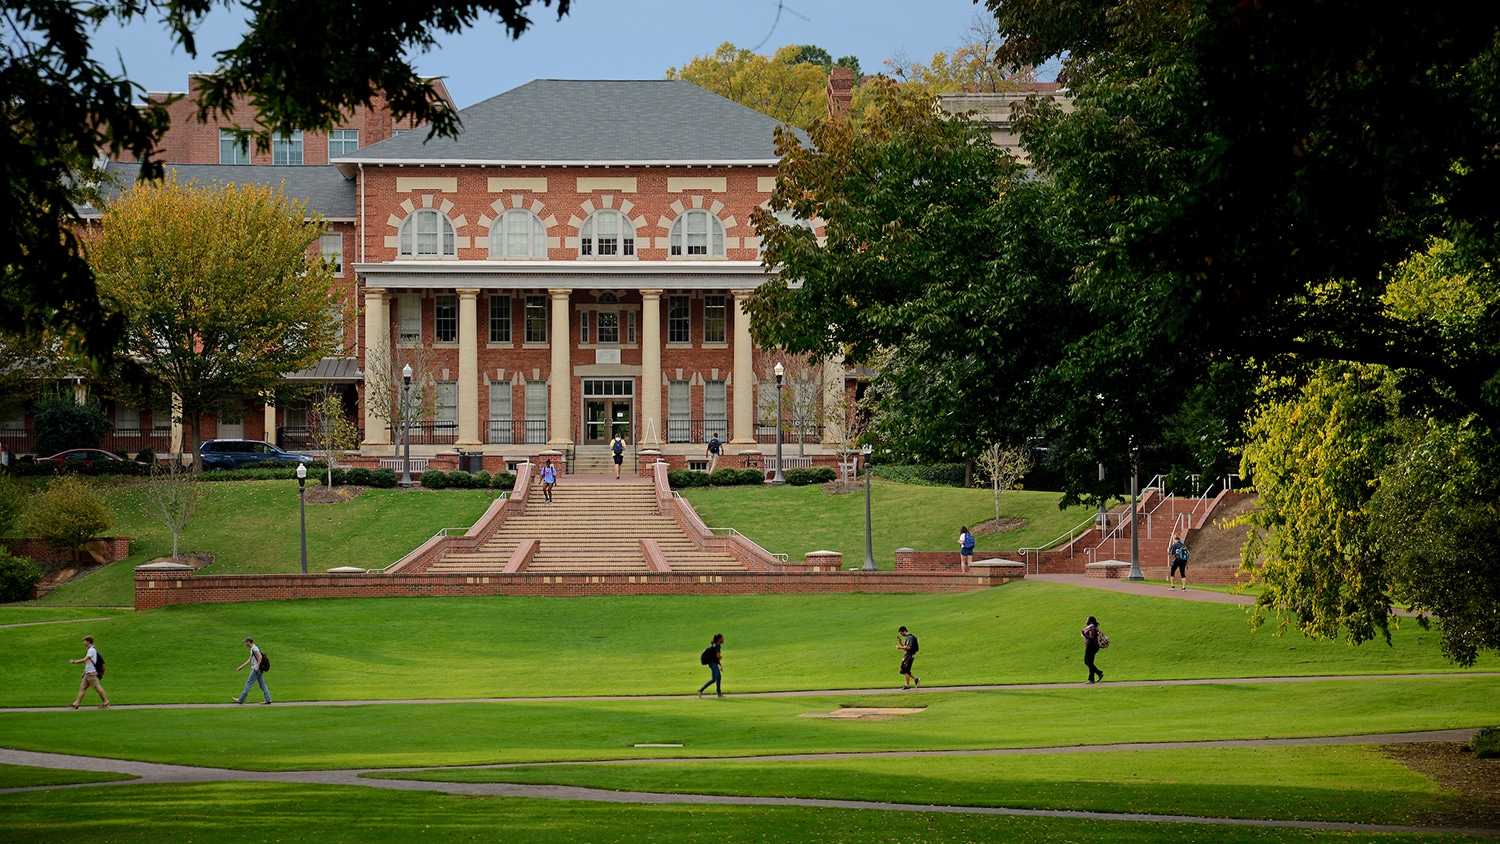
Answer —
296 415
287 149
518 234
583 326
678 325
714 320
232 151
715 408
536 411
630 322
341 141
500 418
161 421
445 402
445 318
697 234
409 308
427 234
679 412
536 319
332 247
609 326
499 319
127 420
336 319
607 234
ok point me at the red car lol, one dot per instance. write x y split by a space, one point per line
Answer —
81 457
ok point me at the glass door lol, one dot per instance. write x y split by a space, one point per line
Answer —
595 427
619 420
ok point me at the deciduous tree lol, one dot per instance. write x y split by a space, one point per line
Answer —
781 85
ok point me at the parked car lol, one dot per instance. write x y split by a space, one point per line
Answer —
81 457
238 454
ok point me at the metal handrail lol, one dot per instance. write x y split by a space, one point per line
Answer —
1073 532
732 532
441 532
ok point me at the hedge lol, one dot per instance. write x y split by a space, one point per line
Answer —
810 475
18 578
923 474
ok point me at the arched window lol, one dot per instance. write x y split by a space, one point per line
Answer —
606 234
786 218
428 234
518 234
697 234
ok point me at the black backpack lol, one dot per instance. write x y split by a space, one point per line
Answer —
98 663
265 662
707 657
913 648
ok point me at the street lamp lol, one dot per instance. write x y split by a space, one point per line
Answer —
406 426
869 544
778 479
1135 575
302 504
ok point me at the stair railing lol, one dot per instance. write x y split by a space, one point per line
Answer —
748 541
1073 533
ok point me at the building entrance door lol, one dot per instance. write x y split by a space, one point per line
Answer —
606 417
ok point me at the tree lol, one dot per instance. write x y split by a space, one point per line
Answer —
802 407
18 578
221 294
971 67
780 85
69 513
62 423
332 432
173 496
63 109
14 498
1003 466
30 362
385 388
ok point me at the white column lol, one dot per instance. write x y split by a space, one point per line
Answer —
744 374
651 417
270 421
177 426
834 406
560 383
377 364
468 366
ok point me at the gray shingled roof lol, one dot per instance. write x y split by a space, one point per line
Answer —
593 121
326 190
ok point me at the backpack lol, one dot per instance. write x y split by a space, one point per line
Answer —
265 662
707 657
98 663
619 447
913 649
1182 551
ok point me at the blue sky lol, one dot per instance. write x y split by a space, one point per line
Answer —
603 39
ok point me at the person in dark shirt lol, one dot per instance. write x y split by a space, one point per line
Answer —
907 642
715 657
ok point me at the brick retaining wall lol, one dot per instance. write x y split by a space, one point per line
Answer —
104 550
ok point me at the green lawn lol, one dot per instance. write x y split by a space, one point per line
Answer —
1025 632
25 776
259 812
1354 784
794 520
252 527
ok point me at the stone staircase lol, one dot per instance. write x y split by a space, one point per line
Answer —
593 526
598 460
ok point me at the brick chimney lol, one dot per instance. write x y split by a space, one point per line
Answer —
840 91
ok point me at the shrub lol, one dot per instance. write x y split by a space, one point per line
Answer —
383 478
146 456
923 474
503 480
684 478
1485 744
13 500
357 476
68 513
725 477
62 423
798 477
18 578
460 480
749 477
480 480
435 479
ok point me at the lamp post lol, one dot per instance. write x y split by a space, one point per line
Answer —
869 543
778 479
406 426
1135 575
302 505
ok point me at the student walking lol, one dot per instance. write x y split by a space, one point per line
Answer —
618 447
965 548
258 666
93 667
1177 558
714 447
549 480
907 641
713 657
1092 641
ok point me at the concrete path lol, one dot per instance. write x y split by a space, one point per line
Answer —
924 690
58 621
150 773
1153 590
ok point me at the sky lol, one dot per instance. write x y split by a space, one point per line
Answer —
600 39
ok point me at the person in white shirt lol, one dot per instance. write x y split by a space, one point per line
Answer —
90 662
256 675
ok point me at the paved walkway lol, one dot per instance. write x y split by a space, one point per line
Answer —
1154 590
924 690
58 621
151 773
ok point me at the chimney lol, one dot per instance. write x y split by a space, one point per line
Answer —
840 91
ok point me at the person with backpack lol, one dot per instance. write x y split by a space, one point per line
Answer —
714 447
1177 557
965 548
713 657
549 480
907 641
1093 640
259 664
618 447
93 669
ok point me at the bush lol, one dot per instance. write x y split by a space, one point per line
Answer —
357 476
434 479
684 478
749 477
62 423
480 480
68 513
923 474
503 480
1485 744
18 578
725 477
383 478
798 477
146 456
13 500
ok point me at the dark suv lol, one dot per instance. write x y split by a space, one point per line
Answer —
237 454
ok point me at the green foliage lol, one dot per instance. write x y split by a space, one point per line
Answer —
751 477
68 513
14 499
269 470
1485 744
727 476
18 578
784 86
811 475
62 423
383 478
435 479
684 478
922 474
146 456
480 480
357 476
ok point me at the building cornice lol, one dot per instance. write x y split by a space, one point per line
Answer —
578 275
